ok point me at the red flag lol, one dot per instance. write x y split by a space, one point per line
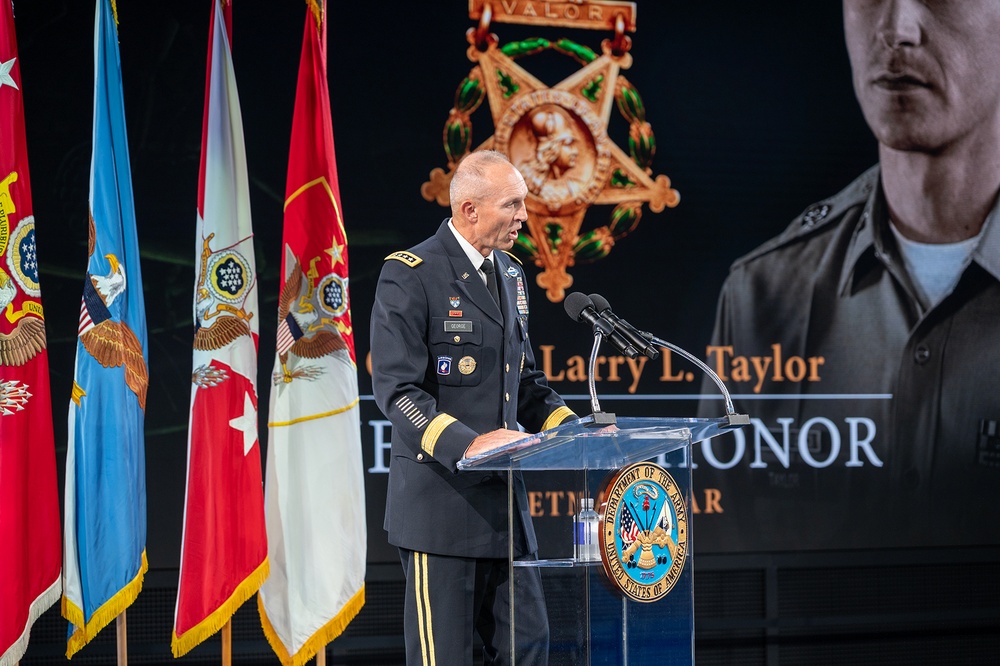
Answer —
224 549
30 548
315 496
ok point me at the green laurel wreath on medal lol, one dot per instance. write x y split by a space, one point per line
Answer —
457 138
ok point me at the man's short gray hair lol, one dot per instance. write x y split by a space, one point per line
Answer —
469 183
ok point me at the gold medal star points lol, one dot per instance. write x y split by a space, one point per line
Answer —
557 138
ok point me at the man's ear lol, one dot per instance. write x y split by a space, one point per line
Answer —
469 211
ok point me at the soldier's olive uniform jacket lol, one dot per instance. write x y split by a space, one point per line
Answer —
915 454
447 366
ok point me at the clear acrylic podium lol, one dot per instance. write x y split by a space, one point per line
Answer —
590 621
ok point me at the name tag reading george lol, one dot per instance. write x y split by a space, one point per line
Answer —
458 327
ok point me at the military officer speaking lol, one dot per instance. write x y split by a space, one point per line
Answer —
454 371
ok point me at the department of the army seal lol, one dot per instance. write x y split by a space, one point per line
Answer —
644 531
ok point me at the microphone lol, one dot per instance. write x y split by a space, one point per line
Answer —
634 337
580 308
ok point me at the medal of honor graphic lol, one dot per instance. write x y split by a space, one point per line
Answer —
557 137
644 532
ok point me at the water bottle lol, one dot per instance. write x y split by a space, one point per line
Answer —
586 547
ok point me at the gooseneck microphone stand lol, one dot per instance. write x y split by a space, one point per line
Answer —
600 418
608 418
731 415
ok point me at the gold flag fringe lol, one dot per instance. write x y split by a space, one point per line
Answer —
317 12
102 617
181 645
318 640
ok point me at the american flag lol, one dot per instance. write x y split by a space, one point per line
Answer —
286 338
85 321
627 529
93 311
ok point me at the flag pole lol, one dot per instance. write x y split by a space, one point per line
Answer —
122 640
227 643
321 656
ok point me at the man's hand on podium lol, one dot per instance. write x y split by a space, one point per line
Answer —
493 440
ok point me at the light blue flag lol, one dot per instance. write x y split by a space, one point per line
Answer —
105 512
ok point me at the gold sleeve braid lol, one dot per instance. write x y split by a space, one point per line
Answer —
557 417
434 430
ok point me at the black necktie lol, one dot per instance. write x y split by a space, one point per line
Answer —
491 279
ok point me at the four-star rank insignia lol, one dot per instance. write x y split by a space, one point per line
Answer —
557 137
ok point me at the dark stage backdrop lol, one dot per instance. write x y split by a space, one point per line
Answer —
754 117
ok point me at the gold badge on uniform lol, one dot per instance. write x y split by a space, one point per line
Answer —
467 365
558 137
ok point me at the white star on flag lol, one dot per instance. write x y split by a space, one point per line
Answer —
5 77
336 252
247 423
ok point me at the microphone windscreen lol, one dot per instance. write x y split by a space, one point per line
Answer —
575 304
600 303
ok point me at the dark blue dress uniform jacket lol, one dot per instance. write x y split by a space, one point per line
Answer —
432 316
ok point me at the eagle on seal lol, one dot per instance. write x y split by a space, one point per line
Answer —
112 343
28 337
301 328
229 323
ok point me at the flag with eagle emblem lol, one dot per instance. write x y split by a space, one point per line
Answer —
314 488
224 544
104 555
30 557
